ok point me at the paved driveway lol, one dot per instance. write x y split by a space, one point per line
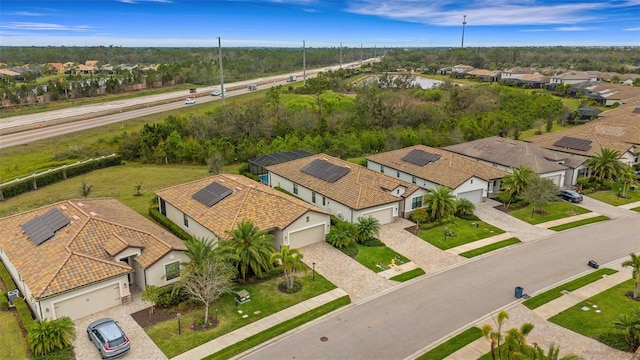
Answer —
141 345
613 212
518 228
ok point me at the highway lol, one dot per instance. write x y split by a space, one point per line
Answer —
399 324
22 129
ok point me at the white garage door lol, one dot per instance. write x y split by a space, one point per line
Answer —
474 196
555 179
384 216
89 303
306 237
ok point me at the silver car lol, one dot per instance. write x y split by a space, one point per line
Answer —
109 338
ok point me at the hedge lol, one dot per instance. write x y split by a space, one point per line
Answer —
59 174
24 312
163 220
4 302
6 278
57 354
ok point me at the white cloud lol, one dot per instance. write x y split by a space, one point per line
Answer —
142 1
35 26
23 13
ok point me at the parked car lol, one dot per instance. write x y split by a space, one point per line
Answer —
190 101
215 93
593 264
109 338
570 195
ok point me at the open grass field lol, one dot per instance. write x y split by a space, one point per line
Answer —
12 344
596 325
266 300
464 231
554 211
611 196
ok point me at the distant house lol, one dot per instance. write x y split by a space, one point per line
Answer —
79 257
346 190
575 77
484 75
607 94
506 154
213 206
429 167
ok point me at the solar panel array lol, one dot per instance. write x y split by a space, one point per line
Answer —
44 227
420 157
212 194
573 143
324 170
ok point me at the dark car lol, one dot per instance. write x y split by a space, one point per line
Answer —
570 195
109 338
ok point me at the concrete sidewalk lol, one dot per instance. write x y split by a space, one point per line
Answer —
256 327
630 205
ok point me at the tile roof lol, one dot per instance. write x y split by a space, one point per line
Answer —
82 252
452 170
267 208
621 92
617 129
513 153
360 188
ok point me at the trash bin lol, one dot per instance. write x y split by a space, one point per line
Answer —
519 292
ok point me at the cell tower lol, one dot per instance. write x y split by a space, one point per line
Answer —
464 22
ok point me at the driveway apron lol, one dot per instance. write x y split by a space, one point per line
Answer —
346 273
612 212
524 231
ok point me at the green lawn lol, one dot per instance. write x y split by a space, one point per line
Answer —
599 326
490 247
556 292
116 182
636 209
452 345
611 196
12 344
265 300
579 223
554 211
408 275
281 328
369 256
464 233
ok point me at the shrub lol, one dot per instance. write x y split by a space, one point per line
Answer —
4 302
419 216
167 297
616 340
6 278
469 217
58 354
373 242
24 313
351 250
170 225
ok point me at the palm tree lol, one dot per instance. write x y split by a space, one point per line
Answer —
440 203
341 235
464 207
634 263
605 165
199 250
626 177
367 228
631 324
537 353
47 335
514 345
515 183
250 247
291 261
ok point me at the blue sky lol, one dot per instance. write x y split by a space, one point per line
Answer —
352 23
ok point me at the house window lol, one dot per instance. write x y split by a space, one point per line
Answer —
172 271
416 202
382 169
313 197
397 173
307 219
471 181
324 201
413 180
185 219
163 207
295 189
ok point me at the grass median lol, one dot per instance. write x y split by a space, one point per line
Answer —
490 247
452 345
579 223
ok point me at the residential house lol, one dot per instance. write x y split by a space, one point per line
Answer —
78 257
575 77
617 129
607 94
346 190
506 154
429 167
213 206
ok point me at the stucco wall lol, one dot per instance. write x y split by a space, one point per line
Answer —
194 228
156 274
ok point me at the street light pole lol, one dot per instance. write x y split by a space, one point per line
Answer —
220 66
313 276
178 315
304 64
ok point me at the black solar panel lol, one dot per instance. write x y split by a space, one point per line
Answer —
573 143
324 170
44 227
212 194
420 157
636 111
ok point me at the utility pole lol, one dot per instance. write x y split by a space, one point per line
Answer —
360 54
222 94
464 22
340 55
304 64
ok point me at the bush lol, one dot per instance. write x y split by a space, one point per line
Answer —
170 225
616 340
419 216
4 302
58 354
373 243
24 313
168 298
469 217
6 278
351 250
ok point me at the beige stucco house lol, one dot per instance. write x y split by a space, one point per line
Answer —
213 206
78 257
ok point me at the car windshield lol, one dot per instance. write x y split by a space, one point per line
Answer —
117 342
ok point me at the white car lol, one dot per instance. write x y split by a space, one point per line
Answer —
190 101
215 93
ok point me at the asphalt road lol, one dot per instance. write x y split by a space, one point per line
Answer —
401 323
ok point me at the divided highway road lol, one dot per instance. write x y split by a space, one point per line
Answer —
399 324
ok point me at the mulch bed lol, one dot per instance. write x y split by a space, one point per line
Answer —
145 319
